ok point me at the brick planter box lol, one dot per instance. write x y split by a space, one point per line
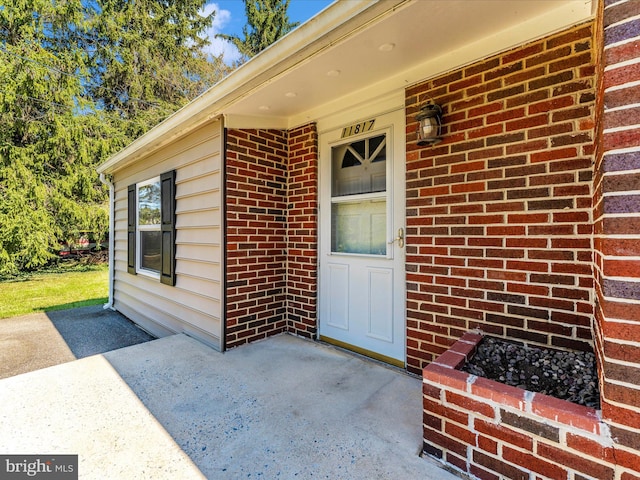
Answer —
495 431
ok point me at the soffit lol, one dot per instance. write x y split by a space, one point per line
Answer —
342 57
420 39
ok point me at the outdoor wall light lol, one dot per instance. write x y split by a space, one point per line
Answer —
430 123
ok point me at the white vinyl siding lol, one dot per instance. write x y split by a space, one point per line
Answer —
194 304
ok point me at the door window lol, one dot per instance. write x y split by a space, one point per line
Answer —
359 196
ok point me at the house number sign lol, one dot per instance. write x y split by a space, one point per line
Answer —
358 128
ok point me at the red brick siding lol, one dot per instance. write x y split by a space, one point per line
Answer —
256 186
617 229
499 213
302 231
271 233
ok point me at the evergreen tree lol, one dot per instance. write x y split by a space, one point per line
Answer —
48 185
267 21
148 59
80 79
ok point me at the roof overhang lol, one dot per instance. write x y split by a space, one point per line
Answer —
354 50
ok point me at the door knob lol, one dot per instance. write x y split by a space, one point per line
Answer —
399 238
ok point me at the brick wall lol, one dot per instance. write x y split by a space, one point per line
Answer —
494 431
271 233
256 186
499 213
617 229
302 226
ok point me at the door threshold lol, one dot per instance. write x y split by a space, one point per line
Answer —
363 351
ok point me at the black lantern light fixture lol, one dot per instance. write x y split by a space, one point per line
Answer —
429 124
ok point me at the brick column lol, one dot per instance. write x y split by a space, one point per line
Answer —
617 228
302 231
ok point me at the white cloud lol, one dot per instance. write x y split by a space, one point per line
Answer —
218 46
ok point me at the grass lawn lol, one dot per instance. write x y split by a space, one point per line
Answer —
55 290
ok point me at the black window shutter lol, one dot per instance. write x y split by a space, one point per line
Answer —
131 229
168 199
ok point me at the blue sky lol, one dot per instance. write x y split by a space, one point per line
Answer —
230 19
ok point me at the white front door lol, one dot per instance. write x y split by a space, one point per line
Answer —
362 215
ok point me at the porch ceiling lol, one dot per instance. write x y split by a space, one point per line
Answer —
421 39
355 51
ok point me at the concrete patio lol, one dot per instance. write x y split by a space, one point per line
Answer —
174 408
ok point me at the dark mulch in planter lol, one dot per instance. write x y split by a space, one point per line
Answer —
569 376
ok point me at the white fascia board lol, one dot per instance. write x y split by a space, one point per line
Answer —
332 24
363 106
254 121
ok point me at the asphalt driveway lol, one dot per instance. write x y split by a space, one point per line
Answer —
39 340
174 408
